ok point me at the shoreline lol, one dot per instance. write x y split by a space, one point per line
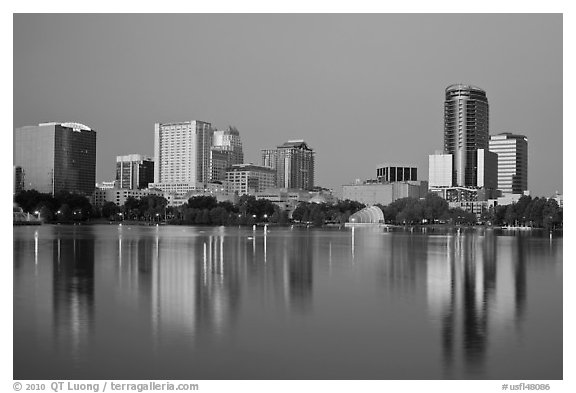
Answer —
411 228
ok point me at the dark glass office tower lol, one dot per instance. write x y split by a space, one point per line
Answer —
56 157
134 171
512 150
465 131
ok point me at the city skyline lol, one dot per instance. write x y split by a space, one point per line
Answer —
338 81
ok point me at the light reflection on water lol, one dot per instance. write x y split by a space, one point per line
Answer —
137 302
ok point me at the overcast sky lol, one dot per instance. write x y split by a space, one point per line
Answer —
361 89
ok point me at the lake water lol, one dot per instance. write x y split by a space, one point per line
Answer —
176 302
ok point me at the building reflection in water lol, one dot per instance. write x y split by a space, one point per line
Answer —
469 290
217 286
186 281
183 298
73 290
298 271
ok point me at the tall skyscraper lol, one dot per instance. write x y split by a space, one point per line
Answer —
269 158
294 164
134 171
465 131
226 151
56 157
182 155
512 150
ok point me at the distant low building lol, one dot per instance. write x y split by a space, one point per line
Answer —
476 207
107 185
244 179
286 199
120 195
371 193
177 188
387 173
215 189
508 199
465 194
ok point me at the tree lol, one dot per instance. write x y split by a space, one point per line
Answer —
205 217
189 216
228 206
434 207
460 216
500 215
46 214
32 200
131 208
535 213
522 209
511 216
64 213
551 217
202 202
298 213
109 210
283 219
488 215
305 216
218 216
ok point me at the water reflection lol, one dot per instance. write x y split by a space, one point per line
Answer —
73 291
463 289
300 275
187 298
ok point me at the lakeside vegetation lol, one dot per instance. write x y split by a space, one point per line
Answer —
65 207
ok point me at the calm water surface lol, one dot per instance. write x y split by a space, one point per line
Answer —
169 302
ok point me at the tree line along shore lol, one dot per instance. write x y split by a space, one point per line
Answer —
433 210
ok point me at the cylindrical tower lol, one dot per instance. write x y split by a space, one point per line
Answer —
465 130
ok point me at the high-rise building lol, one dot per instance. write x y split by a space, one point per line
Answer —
465 131
18 180
134 171
512 151
226 151
56 157
269 158
182 155
294 164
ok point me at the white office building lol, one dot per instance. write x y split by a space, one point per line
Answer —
440 170
181 155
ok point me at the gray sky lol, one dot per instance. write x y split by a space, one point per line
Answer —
361 89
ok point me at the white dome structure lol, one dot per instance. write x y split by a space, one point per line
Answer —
318 199
368 215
